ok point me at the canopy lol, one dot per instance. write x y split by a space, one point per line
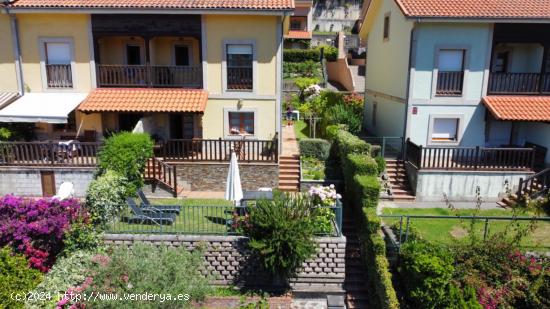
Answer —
234 190
42 107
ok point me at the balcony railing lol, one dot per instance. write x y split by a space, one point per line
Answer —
149 76
59 75
519 83
449 83
239 78
53 153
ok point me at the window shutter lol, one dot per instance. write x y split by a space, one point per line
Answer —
58 53
445 128
451 60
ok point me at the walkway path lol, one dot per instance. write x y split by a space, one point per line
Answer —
290 143
289 162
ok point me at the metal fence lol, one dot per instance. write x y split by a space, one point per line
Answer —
433 228
204 220
388 147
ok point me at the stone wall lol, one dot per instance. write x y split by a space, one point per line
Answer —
212 176
229 261
26 181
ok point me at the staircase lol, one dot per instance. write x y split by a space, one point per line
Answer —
399 183
163 174
289 173
355 281
358 75
532 186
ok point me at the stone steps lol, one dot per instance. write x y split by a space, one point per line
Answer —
289 173
399 183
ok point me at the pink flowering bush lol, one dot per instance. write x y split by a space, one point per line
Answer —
36 228
324 196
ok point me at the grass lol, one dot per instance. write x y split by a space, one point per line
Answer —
452 230
197 216
301 129
312 168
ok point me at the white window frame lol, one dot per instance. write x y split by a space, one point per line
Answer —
226 132
240 93
435 73
459 129
43 59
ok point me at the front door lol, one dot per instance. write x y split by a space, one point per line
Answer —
176 126
188 126
48 183
498 133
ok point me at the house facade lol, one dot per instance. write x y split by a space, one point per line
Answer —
460 76
298 27
186 71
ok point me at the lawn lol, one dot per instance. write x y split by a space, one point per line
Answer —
452 230
197 216
301 129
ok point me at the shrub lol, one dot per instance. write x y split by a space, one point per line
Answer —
367 189
15 278
330 52
281 235
347 143
126 153
304 82
381 162
355 101
36 227
81 236
315 147
106 197
146 268
360 164
307 68
343 114
67 272
301 55
332 130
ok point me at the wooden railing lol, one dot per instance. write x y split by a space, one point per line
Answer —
220 150
48 154
149 76
535 185
160 172
449 83
59 76
470 158
522 83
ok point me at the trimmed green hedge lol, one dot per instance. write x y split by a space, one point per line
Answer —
381 162
315 147
347 143
302 55
368 190
360 164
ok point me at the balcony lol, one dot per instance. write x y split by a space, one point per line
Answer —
519 83
59 76
449 83
158 76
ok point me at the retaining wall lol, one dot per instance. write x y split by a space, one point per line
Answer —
229 261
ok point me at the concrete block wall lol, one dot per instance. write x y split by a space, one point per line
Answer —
229 261
212 176
26 181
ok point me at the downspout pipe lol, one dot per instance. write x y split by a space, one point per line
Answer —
408 92
16 48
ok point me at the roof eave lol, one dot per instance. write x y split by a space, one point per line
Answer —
468 19
172 11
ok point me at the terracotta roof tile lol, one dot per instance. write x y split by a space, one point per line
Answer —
158 4
519 108
509 9
144 100
298 34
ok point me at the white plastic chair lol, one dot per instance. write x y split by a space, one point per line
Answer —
66 191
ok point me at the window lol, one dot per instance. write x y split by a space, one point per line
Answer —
450 76
387 27
181 55
295 25
445 130
501 62
374 111
239 66
133 54
58 65
241 122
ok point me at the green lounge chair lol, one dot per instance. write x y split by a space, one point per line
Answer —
145 204
149 216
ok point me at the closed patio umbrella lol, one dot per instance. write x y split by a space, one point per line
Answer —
234 190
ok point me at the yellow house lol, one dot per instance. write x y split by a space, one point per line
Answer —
177 70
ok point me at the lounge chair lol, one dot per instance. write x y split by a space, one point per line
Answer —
148 217
66 191
145 204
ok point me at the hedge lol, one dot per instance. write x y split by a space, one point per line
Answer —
301 55
315 147
360 164
381 162
347 143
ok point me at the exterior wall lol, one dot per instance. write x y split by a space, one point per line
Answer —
339 71
335 17
461 186
213 176
214 122
524 58
386 71
8 82
26 181
535 132
162 50
112 49
33 27
228 260
89 122
261 29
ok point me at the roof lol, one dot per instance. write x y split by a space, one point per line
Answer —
298 34
158 4
476 9
519 108
144 100
42 107
6 97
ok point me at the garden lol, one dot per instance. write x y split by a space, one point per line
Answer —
54 250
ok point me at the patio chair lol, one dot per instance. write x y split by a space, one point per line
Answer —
145 204
149 217
66 191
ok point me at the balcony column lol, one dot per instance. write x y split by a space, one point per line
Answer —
543 69
148 62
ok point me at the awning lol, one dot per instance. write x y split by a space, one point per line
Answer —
42 107
144 100
519 108
298 34
7 97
